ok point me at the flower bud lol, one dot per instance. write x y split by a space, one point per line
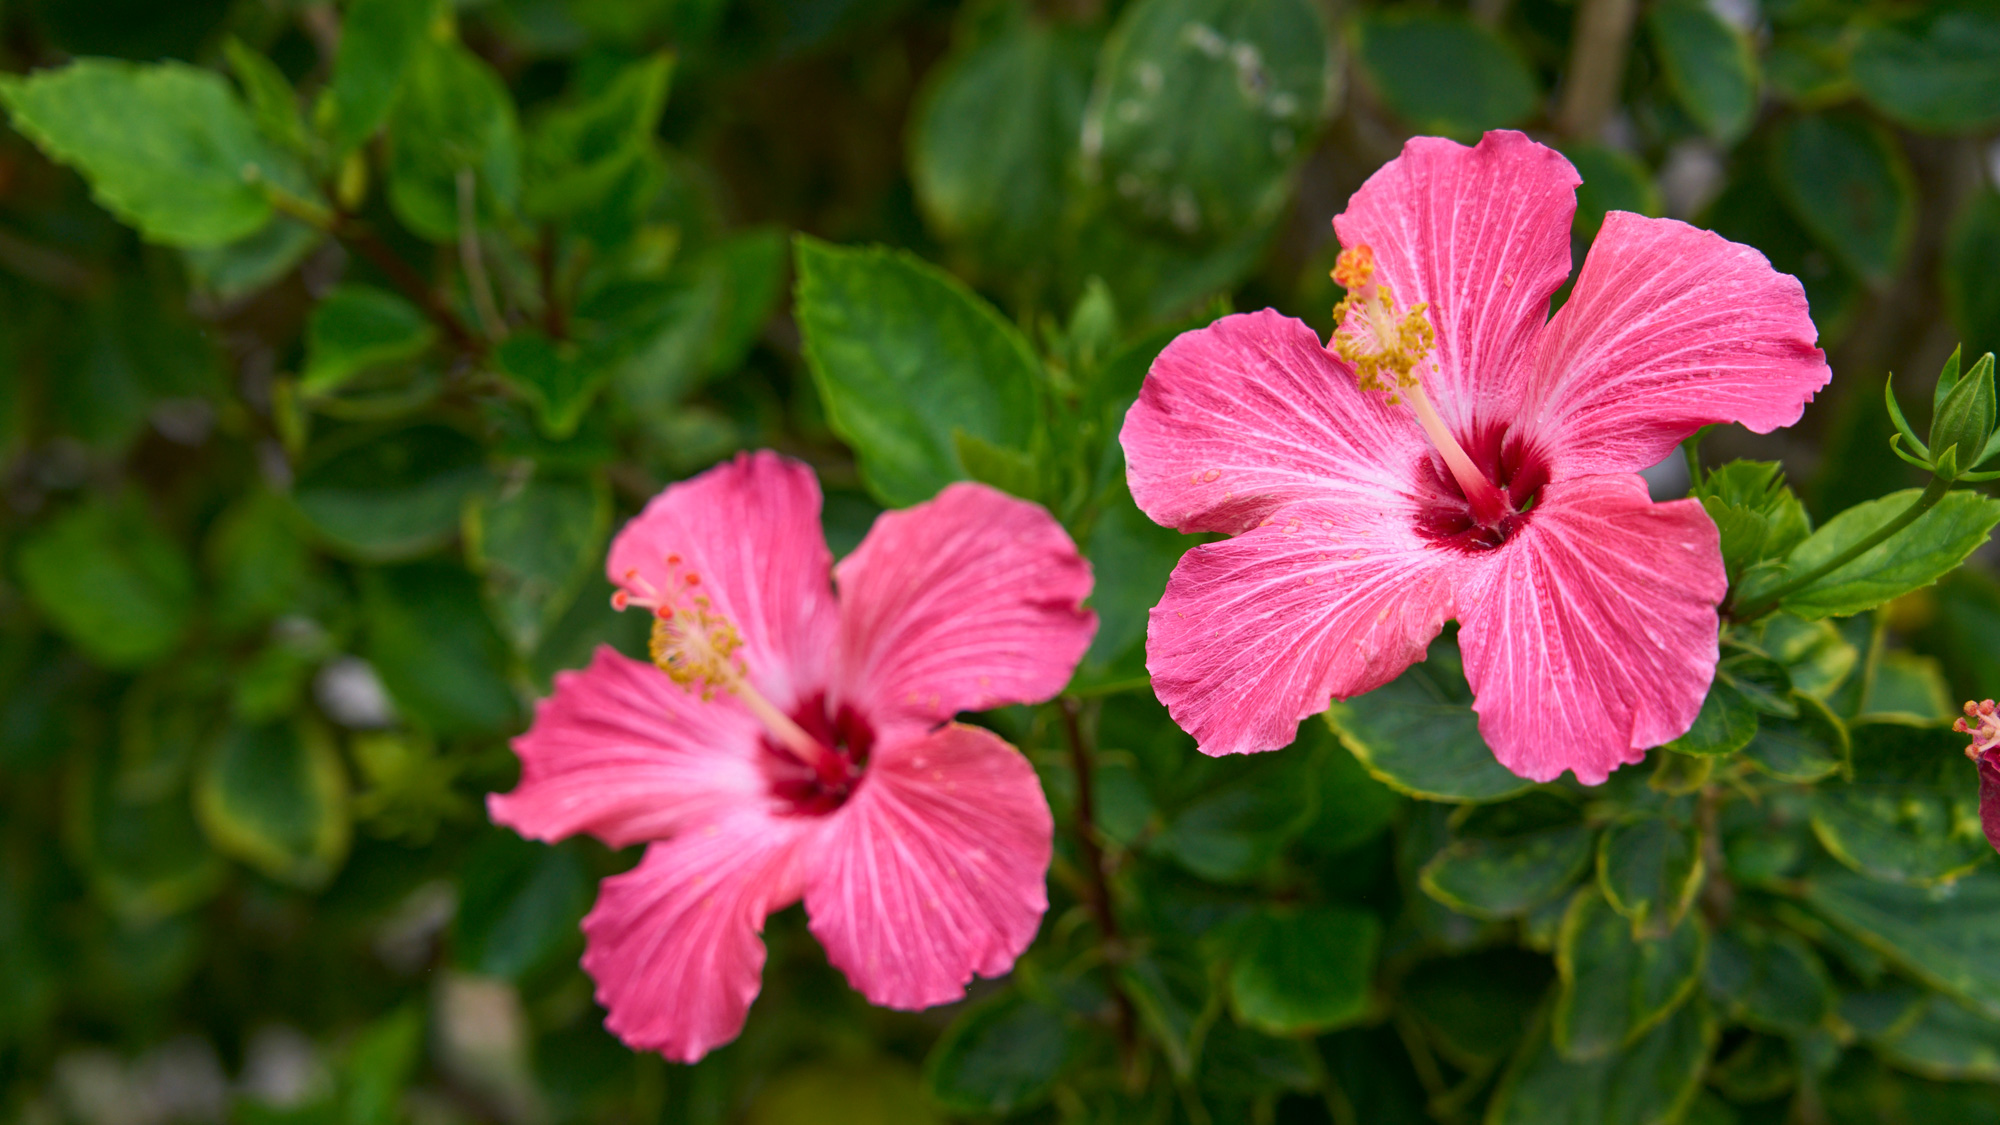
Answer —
1965 417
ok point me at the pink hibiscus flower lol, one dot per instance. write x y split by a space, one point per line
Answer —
1458 454
788 743
1982 722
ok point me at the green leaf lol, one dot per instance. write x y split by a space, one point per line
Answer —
1233 831
358 327
999 1057
392 496
1755 511
1725 724
274 105
1612 181
1931 66
253 262
1616 987
437 654
1760 1069
1769 979
1848 183
1170 989
1809 748
1009 470
1971 250
993 141
1443 73
520 905
1909 688
379 40
1947 1041
1204 108
1477 1007
453 116
28 982
535 546
579 154
1238 1062
275 797
1130 557
1815 655
1650 870
1508 876
1913 558
1353 807
377 1070
132 832
556 376
1304 971
1418 734
1709 64
1808 66
1910 815
1650 1083
1943 936
904 355
111 582
166 147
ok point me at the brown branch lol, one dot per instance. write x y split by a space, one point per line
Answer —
1602 37
1099 882
357 236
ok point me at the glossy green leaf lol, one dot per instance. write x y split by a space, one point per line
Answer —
1725 724
1943 936
1756 513
535 546
1816 657
453 116
1710 65
1616 987
1649 871
1809 748
1204 108
993 142
111 581
253 262
903 355
1235 829
1172 994
1910 815
274 105
379 41
1239 1062
1304 971
1443 73
133 834
1478 1006
1130 557
1914 558
1612 181
166 147
1353 807
1768 979
1497 878
358 327
1651 1082
1807 66
560 380
275 797
378 1067
1931 66
389 497
1000 1056
1759 1069
1945 1040
1908 686
1418 733
1971 250
520 906
578 154
1848 183
431 642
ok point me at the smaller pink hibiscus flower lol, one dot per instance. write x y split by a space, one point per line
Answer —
786 743
1456 453
1982 722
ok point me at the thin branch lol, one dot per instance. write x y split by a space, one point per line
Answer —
472 261
1932 493
1099 880
1602 37
555 320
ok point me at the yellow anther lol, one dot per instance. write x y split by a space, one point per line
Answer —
1383 348
696 648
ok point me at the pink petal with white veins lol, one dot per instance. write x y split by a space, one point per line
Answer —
1669 329
1591 637
1252 413
1481 234
966 602
934 870
674 943
1326 601
749 531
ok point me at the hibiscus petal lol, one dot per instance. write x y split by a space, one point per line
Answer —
1591 637
1251 413
934 870
968 601
1482 235
674 944
1326 600
1669 329
1989 795
625 754
749 531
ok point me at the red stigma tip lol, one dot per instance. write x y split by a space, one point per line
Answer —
673 560
694 579
620 599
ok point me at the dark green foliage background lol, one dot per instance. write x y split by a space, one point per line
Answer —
338 339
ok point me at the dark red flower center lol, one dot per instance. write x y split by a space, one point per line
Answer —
818 787
1516 465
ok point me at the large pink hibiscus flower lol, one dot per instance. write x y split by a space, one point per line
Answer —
1458 454
786 743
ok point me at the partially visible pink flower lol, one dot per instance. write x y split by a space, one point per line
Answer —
1458 454
789 743
1982 722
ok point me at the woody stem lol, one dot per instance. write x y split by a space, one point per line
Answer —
1487 503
